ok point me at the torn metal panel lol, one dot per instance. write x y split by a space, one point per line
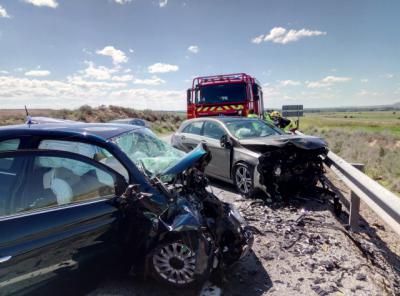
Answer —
190 216
288 163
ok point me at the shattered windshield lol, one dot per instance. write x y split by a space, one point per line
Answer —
244 129
147 151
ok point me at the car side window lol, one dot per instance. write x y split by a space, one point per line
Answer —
8 145
88 150
193 128
11 144
50 181
213 130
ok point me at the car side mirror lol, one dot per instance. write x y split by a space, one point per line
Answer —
224 142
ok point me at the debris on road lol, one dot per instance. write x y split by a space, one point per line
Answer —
300 248
304 250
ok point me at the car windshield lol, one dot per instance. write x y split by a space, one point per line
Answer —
222 93
146 150
246 128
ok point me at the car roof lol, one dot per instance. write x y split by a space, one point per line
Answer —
104 131
223 119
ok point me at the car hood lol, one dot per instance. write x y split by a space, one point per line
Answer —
279 141
200 156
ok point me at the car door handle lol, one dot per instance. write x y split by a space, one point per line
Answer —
5 259
183 137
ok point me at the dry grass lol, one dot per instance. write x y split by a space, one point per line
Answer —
379 151
163 122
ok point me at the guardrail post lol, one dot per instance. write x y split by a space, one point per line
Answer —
354 211
354 217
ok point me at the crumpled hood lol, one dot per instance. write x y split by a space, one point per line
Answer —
199 154
300 141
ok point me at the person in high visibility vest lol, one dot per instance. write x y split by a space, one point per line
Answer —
251 114
283 123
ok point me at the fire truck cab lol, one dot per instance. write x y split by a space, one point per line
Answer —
228 94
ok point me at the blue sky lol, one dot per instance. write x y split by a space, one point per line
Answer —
143 53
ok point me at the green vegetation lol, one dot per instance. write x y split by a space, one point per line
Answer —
372 138
379 121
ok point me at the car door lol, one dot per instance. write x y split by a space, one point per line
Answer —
190 136
58 221
220 163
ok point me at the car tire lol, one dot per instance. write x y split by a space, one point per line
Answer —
243 179
175 262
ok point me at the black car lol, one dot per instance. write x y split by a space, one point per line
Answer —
74 197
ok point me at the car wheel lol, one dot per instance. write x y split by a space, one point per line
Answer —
243 179
177 263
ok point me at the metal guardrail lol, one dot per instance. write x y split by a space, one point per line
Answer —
383 202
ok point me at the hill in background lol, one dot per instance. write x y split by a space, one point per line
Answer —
162 121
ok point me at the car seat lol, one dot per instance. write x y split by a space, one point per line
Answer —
61 189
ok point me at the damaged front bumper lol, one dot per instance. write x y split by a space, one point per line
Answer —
184 213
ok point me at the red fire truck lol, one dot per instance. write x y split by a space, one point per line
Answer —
227 94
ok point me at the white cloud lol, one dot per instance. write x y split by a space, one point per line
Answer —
284 36
37 73
193 49
122 78
163 3
389 76
48 3
15 92
98 73
122 1
364 80
3 12
143 98
366 93
86 51
131 50
162 68
289 83
4 72
327 81
154 80
258 39
118 56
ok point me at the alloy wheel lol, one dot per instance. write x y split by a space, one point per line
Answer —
176 263
243 179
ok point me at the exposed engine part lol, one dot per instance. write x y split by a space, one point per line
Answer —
190 232
291 169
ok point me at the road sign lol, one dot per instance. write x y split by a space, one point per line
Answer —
292 110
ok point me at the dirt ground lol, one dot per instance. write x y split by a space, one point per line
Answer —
300 248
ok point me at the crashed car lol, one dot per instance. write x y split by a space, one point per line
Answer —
74 197
255 155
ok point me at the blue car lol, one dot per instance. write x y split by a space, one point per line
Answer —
78 198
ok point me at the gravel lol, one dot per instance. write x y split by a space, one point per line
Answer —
300 248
